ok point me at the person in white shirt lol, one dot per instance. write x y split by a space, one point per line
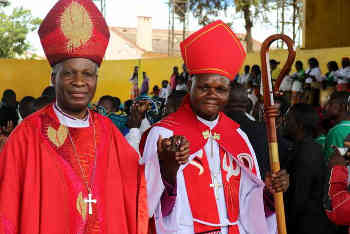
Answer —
313 82
165 90
180 83
329 82
298 82
343 75
137 123
313 72
286 85
243 79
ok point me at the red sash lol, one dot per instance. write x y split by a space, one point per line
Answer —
199 186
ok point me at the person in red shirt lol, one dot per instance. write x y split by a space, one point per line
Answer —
337 204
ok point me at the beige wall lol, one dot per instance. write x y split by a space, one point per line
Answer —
119 49
144 33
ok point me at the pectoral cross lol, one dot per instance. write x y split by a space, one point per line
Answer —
215 185
90 201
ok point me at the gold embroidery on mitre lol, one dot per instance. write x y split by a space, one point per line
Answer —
76 25
81 206
57 137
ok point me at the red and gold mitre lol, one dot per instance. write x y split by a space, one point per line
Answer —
214 49
74 29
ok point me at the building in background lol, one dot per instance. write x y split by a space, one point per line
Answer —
146 42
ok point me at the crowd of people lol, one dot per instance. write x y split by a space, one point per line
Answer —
304 85
311 140
189 157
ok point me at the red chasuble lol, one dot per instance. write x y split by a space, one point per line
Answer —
199 186
44 168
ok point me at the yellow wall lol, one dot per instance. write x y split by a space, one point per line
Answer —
30 77
26 77
326 23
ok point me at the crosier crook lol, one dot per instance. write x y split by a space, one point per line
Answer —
271 114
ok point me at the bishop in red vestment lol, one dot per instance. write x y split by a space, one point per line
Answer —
218 188
66 169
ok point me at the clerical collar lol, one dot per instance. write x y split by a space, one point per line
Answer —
210 124
70 121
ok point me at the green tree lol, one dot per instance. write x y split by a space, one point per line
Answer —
205 10
4 3
14 29
289 17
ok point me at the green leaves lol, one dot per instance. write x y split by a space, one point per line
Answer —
204 10
14 29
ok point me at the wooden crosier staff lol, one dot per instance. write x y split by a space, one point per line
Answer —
271 114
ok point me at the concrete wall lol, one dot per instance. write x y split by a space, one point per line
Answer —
144 33
119 49
30 77
326 24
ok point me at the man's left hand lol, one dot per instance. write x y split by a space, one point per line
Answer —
7 129
277 182
137 114
3 140
337 159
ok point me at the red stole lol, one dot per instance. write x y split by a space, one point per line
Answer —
41 190
78 149
197 173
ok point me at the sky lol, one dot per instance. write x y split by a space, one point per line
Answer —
124 13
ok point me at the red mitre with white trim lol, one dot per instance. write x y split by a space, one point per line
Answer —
214 49
74 29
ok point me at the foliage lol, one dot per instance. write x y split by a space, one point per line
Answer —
203 10
206 10
14 29
4 3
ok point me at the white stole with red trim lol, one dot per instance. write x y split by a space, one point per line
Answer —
251 211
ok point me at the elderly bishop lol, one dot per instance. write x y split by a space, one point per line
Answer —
66 169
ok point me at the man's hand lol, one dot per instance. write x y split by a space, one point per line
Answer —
142 107
337 159
137 114
277 182
172 152
7 129
3 140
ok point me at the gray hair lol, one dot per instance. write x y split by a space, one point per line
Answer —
194 77
58 67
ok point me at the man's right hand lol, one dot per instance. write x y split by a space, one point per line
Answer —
172 152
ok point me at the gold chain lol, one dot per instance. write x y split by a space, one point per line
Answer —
76 156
